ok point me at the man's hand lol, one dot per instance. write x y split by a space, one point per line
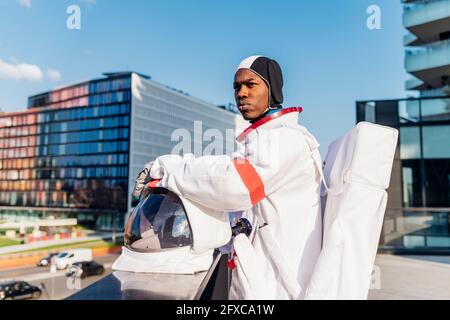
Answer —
142 179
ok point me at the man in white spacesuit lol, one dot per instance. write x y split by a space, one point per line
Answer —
274 179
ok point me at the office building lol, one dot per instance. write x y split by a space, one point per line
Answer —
76 151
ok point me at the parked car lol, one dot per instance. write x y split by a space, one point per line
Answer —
85 269
69 257
18 290
45 262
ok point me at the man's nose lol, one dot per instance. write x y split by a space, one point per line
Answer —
243 92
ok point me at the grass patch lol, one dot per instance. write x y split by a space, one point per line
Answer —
81 228
8 242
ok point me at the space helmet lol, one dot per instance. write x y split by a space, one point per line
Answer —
167 233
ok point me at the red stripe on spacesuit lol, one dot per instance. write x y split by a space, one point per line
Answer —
266 119
153 184
251 180
231 264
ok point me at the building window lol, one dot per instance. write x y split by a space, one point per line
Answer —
369 112
436 142
409 111
412 183
410 143
435 109
437 182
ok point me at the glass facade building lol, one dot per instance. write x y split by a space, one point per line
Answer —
69 154
418 213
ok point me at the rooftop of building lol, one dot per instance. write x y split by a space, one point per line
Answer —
230 107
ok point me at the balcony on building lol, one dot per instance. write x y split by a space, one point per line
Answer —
427 19
429 62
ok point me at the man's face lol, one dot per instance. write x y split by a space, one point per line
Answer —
251 94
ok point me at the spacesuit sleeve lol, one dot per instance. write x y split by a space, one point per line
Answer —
238 182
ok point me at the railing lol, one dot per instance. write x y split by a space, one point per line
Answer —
428 56
424 11
416 229
429 109
208 285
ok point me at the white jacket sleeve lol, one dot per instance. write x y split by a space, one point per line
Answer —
234 183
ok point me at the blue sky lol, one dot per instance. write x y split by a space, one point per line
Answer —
328 55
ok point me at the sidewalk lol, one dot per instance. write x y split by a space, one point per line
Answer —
412 278
46 275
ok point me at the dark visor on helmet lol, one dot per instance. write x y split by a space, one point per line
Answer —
159 222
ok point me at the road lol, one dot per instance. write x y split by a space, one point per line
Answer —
57 285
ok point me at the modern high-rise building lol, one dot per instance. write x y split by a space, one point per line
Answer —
77 150
418 213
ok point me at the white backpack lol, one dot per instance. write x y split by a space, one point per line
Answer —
357 173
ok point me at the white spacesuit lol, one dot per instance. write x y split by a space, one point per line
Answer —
276 181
